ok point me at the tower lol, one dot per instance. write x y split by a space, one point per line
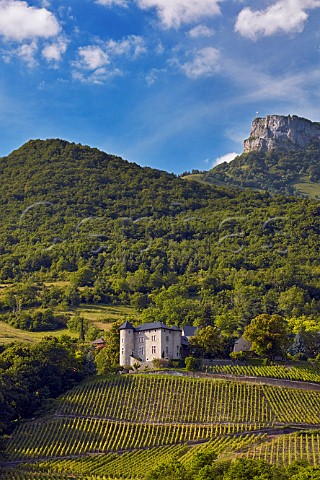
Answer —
127 343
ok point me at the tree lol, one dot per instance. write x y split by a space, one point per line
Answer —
169 471
268 335
107 359
207 342
248 469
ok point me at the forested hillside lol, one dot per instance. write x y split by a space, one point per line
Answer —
295 172
178 251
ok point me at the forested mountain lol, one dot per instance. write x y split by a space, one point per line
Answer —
180 252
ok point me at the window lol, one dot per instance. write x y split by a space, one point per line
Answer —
141 350
141 340
153 349
167 351
153 338
167 338
178 351
122 351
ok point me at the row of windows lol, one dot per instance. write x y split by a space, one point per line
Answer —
154 350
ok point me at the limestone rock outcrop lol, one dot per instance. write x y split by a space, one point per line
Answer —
281 132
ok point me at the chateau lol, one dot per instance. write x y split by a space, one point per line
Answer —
149 341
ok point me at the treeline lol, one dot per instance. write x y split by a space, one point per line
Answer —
205 467
30 374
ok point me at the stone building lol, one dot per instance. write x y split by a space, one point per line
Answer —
148 341
242 345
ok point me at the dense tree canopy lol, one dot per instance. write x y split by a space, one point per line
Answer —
179 251
268 335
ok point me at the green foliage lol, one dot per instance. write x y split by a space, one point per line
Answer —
107 359
192 363
39 320
170 471
31 374
277 171
207 342
178 251
268 335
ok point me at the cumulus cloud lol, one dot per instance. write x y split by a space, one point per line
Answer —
228 157
204 63
201 31
53 52
283 16
95 58
20 22
173 13
92 57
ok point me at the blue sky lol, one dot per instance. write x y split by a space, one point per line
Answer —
172 84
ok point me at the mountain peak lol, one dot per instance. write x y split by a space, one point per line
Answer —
281 132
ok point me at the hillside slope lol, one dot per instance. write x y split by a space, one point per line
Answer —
180 252
277 171
126 426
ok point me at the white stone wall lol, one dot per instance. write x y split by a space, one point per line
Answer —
149 344
127 346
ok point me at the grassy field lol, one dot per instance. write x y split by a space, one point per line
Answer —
305 187
101 316
121 426
10 334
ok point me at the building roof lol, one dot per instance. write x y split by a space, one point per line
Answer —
189 331
99 341
126 326
155 326
148 326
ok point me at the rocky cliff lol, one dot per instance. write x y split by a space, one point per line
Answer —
282 132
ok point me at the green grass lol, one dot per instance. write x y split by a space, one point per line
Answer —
10 334
305 187
101 316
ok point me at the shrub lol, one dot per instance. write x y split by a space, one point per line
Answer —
193 363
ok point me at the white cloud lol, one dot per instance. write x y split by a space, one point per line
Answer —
92 57
173 13
110 3
27 52
201 31
95 58
53 52
19 21
98 76
283 16
228 157
205 63
133 45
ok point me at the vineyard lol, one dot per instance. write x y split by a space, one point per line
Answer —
301 373
122 426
